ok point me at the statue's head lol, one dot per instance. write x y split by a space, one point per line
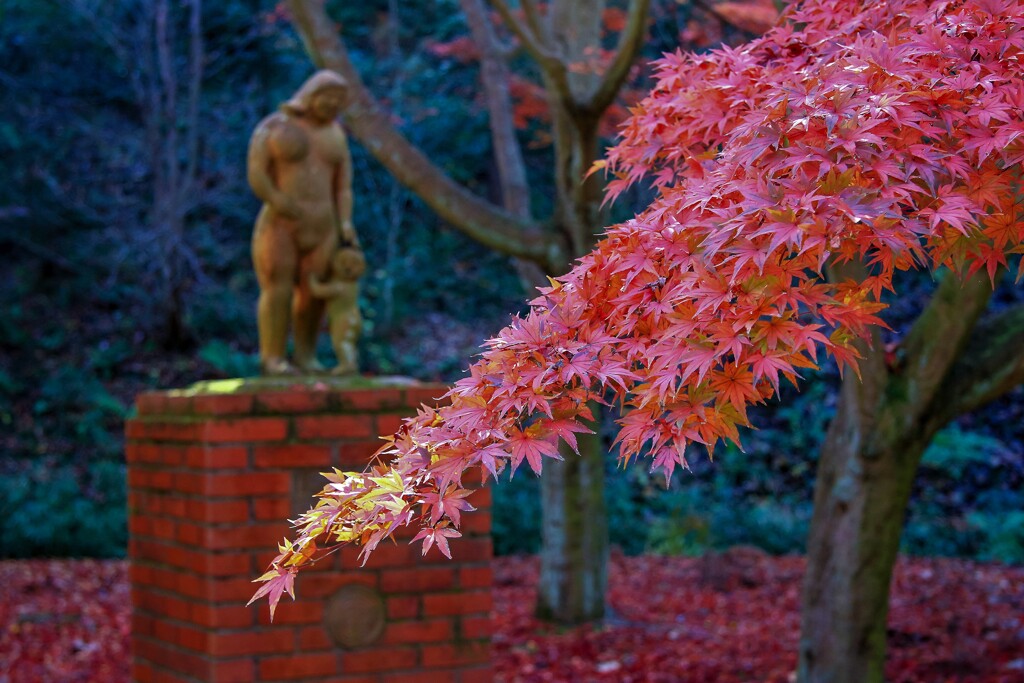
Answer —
320 97
348 264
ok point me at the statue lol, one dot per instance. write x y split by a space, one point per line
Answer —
299 165
342 295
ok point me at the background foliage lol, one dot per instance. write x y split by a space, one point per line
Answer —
85 326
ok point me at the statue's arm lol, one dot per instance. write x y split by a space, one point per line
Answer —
326 289
258 171
343 189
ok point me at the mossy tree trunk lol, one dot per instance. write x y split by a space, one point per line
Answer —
949 363
859 506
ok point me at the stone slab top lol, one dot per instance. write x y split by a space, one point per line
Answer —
240 385
290 395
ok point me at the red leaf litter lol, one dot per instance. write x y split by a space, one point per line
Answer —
734 617
64 621
724 618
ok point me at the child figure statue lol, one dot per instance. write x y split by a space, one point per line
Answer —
341 292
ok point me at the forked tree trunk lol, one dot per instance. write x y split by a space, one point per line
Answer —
947 364
574 546
860 502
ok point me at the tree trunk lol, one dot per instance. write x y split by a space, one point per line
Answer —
883 424
859 506
574 547
574 543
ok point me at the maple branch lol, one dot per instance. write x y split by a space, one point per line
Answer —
992 363
369 123
630 41
494 75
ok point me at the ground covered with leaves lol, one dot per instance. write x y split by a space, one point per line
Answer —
64 621
723 618
733 616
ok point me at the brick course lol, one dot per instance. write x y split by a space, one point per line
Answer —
212 478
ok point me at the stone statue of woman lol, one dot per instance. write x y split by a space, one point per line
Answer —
299 165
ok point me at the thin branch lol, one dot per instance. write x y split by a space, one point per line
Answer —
531 40
495 77
195 82
551 64
484 222
630 41
43 253
533 19
710 9
169 83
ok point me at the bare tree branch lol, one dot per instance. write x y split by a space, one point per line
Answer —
551 64
169 93
43 253
938 336
195 83
490 225
529 35
533 19
515 191
991 364
630 41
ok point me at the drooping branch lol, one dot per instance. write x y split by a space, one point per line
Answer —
710 299
992 363
630 41
486 223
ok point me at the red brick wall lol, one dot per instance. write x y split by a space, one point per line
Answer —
212 479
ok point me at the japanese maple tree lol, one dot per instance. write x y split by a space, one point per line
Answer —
795 176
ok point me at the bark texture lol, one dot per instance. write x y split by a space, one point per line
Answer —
884 422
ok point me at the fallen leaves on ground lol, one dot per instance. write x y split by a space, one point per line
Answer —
727 617
733 617
64 621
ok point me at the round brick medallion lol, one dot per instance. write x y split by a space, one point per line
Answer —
355 616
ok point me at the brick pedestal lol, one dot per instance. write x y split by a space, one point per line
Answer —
213 474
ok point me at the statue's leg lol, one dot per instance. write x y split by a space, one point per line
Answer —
275 261
308 310
345 325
